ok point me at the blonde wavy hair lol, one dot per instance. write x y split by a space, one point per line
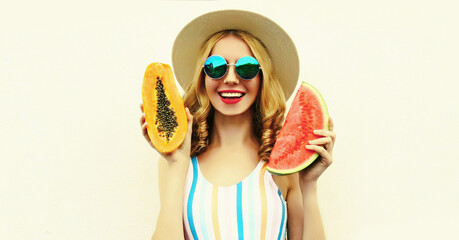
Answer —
269 107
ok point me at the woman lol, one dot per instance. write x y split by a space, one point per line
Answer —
215 186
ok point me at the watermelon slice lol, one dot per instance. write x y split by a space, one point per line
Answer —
307 113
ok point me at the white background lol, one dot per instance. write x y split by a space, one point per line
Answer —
74 164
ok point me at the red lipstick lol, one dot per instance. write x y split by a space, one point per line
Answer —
231 100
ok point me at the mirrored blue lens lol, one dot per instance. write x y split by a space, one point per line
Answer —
215 67
247 67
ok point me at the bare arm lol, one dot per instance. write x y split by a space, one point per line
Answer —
304 220
295 211
312 223
172 171
171 178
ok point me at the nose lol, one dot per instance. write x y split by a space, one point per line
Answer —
231 77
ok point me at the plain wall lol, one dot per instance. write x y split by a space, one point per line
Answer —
74 164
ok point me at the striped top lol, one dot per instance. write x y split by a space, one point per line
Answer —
251 209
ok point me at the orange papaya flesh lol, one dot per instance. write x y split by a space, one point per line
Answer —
164 109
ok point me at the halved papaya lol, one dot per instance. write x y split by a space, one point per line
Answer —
163 106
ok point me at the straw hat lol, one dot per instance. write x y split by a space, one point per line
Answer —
185 52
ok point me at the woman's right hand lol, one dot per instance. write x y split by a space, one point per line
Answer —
180 154
172 172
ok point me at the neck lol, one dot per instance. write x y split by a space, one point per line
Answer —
233 131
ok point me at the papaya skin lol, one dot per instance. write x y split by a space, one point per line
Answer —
164 142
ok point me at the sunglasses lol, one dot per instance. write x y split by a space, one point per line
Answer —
246 67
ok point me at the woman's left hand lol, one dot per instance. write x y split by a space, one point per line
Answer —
324 147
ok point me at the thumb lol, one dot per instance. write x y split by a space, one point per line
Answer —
190 120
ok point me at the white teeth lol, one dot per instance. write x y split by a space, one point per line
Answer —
228 94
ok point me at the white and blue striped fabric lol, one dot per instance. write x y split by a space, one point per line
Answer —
251 209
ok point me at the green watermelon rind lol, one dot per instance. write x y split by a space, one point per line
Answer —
313 157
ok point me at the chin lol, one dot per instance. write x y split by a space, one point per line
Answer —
231 109
231 113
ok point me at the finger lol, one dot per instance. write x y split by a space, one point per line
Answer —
146 136
142 118
189 116
326 156
330 124
326 143
145 131
190 120
144 128
326 133
324 140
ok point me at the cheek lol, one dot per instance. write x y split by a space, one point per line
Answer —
210 85
255 85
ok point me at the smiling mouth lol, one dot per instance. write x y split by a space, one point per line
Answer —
228 95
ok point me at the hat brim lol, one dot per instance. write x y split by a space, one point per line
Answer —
185 51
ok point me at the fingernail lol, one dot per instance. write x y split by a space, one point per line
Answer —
308 146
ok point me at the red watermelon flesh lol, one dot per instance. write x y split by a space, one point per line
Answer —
307 113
